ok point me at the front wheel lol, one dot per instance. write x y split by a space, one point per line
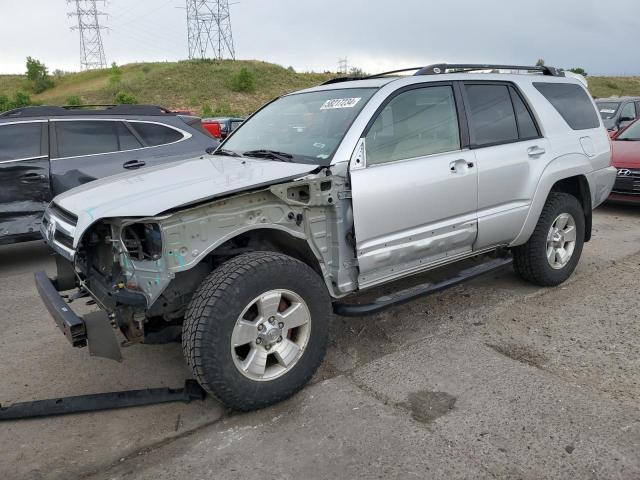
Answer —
554 248
256 329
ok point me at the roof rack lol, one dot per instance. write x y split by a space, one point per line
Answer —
50 110
441 68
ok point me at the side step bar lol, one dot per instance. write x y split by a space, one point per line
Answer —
102 401
403 296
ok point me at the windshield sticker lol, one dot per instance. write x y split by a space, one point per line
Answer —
340 103
607 110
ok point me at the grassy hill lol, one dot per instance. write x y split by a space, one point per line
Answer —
193 85
207 86
602 87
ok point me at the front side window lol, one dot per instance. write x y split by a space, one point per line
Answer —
415 123
91 137
20 140
307 126
492 118
572 102
155 135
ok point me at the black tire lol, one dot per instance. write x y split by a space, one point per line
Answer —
215 308
530 259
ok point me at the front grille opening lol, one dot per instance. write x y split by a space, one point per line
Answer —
63 239
63 214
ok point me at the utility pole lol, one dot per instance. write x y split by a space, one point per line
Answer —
343 66
91 49
209 29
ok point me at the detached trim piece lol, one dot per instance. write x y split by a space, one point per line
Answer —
404 296
102 401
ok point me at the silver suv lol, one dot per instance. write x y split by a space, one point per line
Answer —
323 193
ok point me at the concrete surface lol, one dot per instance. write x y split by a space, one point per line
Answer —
492 379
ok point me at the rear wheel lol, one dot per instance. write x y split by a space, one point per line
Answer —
553 250
256 329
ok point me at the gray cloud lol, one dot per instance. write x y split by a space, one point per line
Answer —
375 35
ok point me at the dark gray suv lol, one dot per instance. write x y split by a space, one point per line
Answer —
618 112
45 151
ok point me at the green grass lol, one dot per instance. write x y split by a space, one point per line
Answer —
198 85
176 85
602 87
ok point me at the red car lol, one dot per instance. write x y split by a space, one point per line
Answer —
221 127
626 158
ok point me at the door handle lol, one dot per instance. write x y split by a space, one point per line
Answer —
458 166
133 164
535 151
32 177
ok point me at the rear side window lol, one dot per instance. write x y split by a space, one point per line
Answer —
154 134
526 125
572 102
415 123
492 119
20 140
128 141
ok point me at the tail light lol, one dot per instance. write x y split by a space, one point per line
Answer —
213 128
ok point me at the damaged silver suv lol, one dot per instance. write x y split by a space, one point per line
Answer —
247 252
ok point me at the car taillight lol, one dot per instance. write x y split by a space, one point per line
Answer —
213 128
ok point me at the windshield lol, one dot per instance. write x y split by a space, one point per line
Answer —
608 109
307 126
631 133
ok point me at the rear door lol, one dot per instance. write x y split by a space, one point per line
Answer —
415 199
24 178
508 147
165 143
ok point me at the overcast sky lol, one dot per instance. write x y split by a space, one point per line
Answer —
375 35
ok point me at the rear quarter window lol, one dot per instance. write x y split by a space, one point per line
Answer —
154 134
572 102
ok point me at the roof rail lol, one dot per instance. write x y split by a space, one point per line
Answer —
51 110
369 77
441 68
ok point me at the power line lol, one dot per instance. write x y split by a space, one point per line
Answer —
343 66
91 48
209 27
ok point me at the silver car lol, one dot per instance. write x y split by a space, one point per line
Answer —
321 194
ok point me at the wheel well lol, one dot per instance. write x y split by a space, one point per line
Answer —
269 240
579 188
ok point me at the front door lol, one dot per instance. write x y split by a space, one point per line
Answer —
415 198
24 179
